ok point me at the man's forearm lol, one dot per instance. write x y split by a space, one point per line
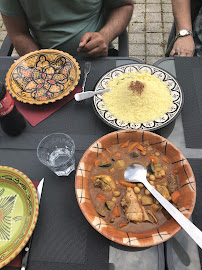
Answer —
19 34
24 43
117 21
182 14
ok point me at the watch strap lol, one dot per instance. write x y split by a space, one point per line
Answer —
188 33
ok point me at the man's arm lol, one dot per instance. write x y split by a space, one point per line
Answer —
18 32
182 15
95 44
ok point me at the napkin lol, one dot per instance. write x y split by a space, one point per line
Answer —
37 113
16 262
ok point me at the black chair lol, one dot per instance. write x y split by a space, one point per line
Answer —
123 48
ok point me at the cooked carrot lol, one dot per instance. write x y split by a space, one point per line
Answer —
117 154
123 224
105 157
153 159
127 184
101 197
108 151
96 162
175 171
131 147
140 147
165 160
125 145
175 196
115 211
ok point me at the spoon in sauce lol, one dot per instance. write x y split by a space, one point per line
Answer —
137 173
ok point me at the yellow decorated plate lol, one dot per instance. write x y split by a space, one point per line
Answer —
42 76
19 208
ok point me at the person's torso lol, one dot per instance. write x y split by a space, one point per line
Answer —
61 23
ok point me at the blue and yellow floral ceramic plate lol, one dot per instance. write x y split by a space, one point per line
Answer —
19 208
42 77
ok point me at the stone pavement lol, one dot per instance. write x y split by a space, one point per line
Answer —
148 30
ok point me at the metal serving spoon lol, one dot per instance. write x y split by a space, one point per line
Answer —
89 94
137 173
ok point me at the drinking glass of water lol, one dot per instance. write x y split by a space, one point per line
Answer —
56 151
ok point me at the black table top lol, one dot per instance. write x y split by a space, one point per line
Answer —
82 124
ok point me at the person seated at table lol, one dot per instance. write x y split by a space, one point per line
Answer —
73 26
186 35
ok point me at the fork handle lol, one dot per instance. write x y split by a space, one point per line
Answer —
84 82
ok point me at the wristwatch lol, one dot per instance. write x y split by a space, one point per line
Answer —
183 33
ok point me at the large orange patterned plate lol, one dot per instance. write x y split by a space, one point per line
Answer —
186 179
42 76
19 209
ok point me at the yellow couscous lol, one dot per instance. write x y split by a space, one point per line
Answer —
133 107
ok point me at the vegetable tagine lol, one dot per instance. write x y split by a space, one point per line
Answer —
130 206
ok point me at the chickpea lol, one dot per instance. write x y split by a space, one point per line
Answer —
147 192
152 177
113 199
163 173
157 154
136 190
147 174
140 185
149 148
151 182
117 193
139 196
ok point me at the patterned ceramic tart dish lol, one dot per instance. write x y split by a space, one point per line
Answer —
142 97
126 212
18 212
42 77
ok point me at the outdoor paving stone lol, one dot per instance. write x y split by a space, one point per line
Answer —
168 17
167 1
153 7
139 1
141 57
3 35
136 27
154 27
137 38
153 17
138 17
139 8
153 1
166 35
154 38
154 50
167 7
167 27
152 59
136 49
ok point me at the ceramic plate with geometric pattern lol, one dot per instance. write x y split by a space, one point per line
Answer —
42 76
186 182
18 212
172 84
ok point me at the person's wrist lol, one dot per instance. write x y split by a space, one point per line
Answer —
183 33
105 36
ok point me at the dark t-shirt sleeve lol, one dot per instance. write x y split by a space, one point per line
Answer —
11 8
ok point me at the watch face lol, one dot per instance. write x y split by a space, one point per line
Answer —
183 32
